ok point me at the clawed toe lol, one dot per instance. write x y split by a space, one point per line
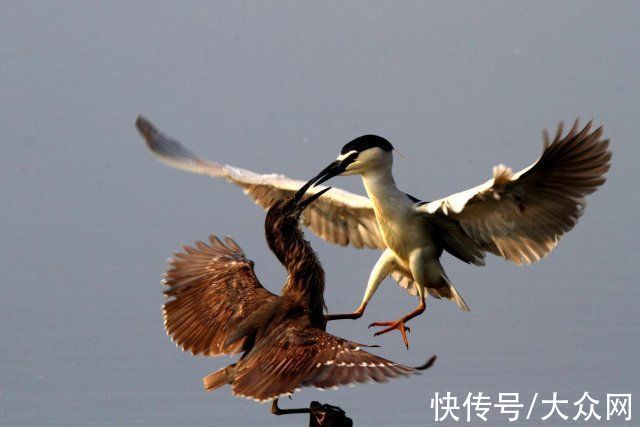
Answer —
399 325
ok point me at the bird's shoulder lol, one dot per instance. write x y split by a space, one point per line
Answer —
416 202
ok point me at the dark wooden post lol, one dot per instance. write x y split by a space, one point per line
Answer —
328 416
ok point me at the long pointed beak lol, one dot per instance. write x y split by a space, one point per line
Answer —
334 169
306 202
302 190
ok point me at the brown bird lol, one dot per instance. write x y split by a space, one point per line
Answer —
218 306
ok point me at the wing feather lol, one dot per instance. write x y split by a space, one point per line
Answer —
212 288
338 217
522 216
296 355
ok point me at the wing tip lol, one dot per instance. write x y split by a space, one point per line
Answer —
429 363
145 127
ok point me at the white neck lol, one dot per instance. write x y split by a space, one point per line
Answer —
381 187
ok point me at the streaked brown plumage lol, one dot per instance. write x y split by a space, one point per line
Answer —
218 306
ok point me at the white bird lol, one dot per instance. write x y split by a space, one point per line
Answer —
519 216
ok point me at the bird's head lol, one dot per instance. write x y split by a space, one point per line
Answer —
287 211
363 154
282 224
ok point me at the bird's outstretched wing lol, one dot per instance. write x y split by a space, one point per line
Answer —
522 216
212 288
339 216
296 355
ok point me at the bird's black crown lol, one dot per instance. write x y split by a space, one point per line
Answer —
367 141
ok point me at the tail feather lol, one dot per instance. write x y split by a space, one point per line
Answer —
445 289
455 296
219 378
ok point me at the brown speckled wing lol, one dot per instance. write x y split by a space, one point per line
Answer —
212 287
296 355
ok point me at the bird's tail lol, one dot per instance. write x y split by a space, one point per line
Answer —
455 296
219 378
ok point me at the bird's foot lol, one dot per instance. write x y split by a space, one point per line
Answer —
397 324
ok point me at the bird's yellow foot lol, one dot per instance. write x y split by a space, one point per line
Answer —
397 324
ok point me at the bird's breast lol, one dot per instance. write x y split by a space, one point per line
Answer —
404 233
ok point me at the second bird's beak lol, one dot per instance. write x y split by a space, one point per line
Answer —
301 192
306 202
334 169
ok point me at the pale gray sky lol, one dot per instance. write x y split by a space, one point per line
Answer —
89 217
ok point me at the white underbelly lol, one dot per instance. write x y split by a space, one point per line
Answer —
405 237
403 229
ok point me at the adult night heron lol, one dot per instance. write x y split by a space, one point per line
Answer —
518 216
218 306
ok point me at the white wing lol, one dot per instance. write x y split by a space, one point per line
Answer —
338 217
522 216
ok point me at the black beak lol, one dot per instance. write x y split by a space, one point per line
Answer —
300 193
302 190
306 202
334 169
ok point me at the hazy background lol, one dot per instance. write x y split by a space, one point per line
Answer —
89 217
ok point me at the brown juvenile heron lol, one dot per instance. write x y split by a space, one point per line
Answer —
218 306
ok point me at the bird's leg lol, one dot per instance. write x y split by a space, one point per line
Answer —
383 267
275 409
355 315
425 268
400 323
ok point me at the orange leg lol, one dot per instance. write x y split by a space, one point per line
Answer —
399 324
355 315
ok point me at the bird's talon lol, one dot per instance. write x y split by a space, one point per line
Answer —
399 325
